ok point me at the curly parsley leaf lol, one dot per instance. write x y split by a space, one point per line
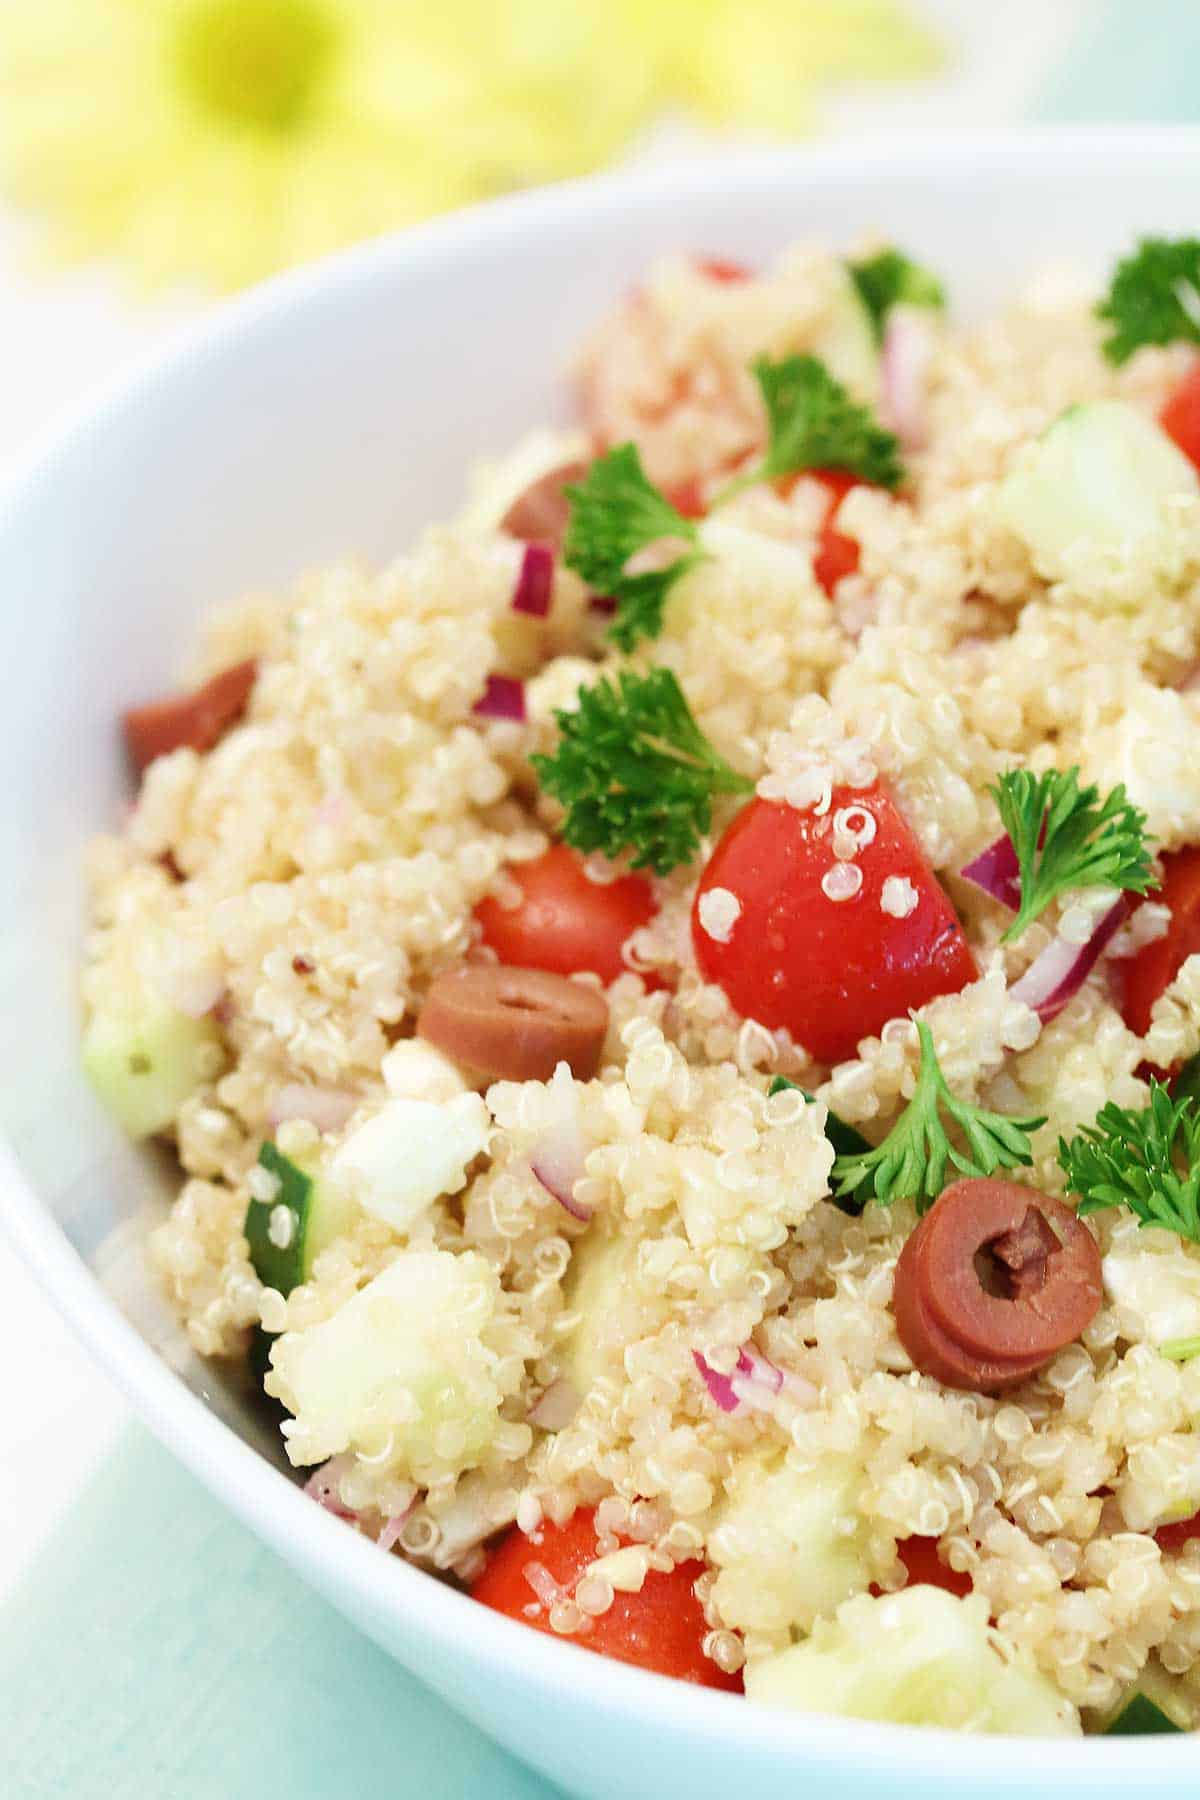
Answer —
911 1161
1066 837
1154 297
1148 1161
812 423
635 772
891 279
616 513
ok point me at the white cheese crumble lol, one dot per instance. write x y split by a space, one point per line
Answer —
841 882
719 912
411 1153
281 1226
414 1070
898 897
624 1569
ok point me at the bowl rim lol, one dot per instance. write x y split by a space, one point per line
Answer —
311 1541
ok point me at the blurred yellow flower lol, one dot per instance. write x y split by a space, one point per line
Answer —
222 139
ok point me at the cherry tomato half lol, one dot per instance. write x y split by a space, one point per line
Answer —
661 1627
1153 969
926 1568
830 970
1180 417
565 922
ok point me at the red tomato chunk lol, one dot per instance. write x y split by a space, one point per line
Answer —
1180 417
720 268
926 1568
565 922
829 970
1153 969
1171 1539
662 1627
836 554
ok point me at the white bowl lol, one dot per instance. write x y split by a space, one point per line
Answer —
335 411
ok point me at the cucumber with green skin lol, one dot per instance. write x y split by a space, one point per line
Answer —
1140 1717
319 1215
845 1140
144 1059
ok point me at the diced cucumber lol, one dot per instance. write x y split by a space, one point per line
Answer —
919 1657
1154 1705
1140 1717
288 1233
144 1059
789 1545
846 342
845 1140
1100 475
598 1289
411 1153
400 1371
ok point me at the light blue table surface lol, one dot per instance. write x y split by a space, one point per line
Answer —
155 1649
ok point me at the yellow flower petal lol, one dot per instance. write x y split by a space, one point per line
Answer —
221 139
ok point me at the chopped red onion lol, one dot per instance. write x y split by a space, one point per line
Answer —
390 1534
602 603
328 1108
720 1387
908 342
556 1407
558 1157
503 697
997 871
535 583
1057 975
322 1485
755 1382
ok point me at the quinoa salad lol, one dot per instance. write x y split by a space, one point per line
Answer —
677 1003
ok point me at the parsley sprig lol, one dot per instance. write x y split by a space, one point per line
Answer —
1154 297
911 1161
635 772
1148 1161
1066 837
891 279
812 423
616 511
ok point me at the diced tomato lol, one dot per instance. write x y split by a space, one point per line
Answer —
686 498
661 1627
1146 975
1172 1538
831 970
926 1568
566 922
720 268
836 554
1180 417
